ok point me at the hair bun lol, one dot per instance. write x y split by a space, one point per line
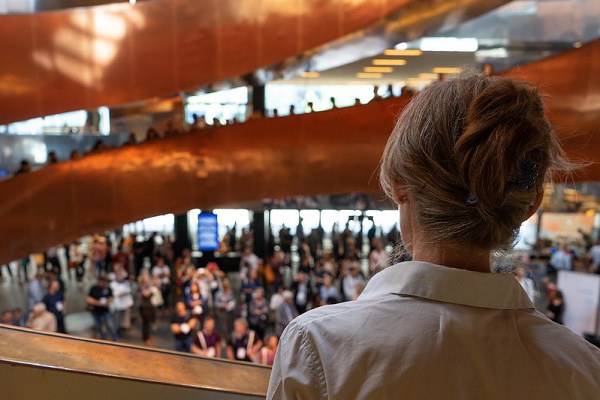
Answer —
505 129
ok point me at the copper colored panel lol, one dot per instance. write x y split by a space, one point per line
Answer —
335 151
53 353
327 152
112 54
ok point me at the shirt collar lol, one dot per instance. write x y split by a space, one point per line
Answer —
449 285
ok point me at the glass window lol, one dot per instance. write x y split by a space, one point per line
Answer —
223 105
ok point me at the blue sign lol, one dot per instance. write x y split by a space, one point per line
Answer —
208 232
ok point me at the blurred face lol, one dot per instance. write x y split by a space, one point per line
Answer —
180 308
54 287
273 342
195 288
209 325
6 318
239 328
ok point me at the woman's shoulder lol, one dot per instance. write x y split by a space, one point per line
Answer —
329 316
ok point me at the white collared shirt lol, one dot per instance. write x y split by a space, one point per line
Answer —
423 331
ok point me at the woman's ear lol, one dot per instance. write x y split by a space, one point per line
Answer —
535 205
401 195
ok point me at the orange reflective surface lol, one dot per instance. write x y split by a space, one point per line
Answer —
113 54
329 152
59 354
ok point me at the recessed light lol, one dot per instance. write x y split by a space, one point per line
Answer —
367 75
447 70
389 62
311 75
407 52
379 69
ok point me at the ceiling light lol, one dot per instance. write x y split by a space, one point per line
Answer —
401 46
379 69
367 75
311 75
449 44
389 62
409 53
449 70
428 75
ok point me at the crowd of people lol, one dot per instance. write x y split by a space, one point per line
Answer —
241 314
237 315
199 122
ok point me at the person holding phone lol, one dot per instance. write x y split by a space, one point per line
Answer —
99 299
183 325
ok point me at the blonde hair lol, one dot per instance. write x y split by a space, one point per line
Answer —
473 152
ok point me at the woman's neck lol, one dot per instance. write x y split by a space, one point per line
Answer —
453 256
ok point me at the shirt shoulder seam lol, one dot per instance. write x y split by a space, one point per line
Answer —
315 360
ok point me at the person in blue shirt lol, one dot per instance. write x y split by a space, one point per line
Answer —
55 303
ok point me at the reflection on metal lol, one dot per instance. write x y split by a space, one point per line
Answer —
113 54
571 83
107 55
329 152
36 365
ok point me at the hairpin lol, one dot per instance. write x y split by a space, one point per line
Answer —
471 200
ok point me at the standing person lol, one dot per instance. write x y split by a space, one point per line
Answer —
77 260
98 254
352 281
7 266
258 312
286 313
194 303
35 291
121 257
466 165
526 283
123 300
147 309
594 255
225 305
562 259
378 257
138 248
250 284
556 307
207 342
182 327
266 355
162 275
51 257
55 303
244 343
302 291
328 292
99 300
